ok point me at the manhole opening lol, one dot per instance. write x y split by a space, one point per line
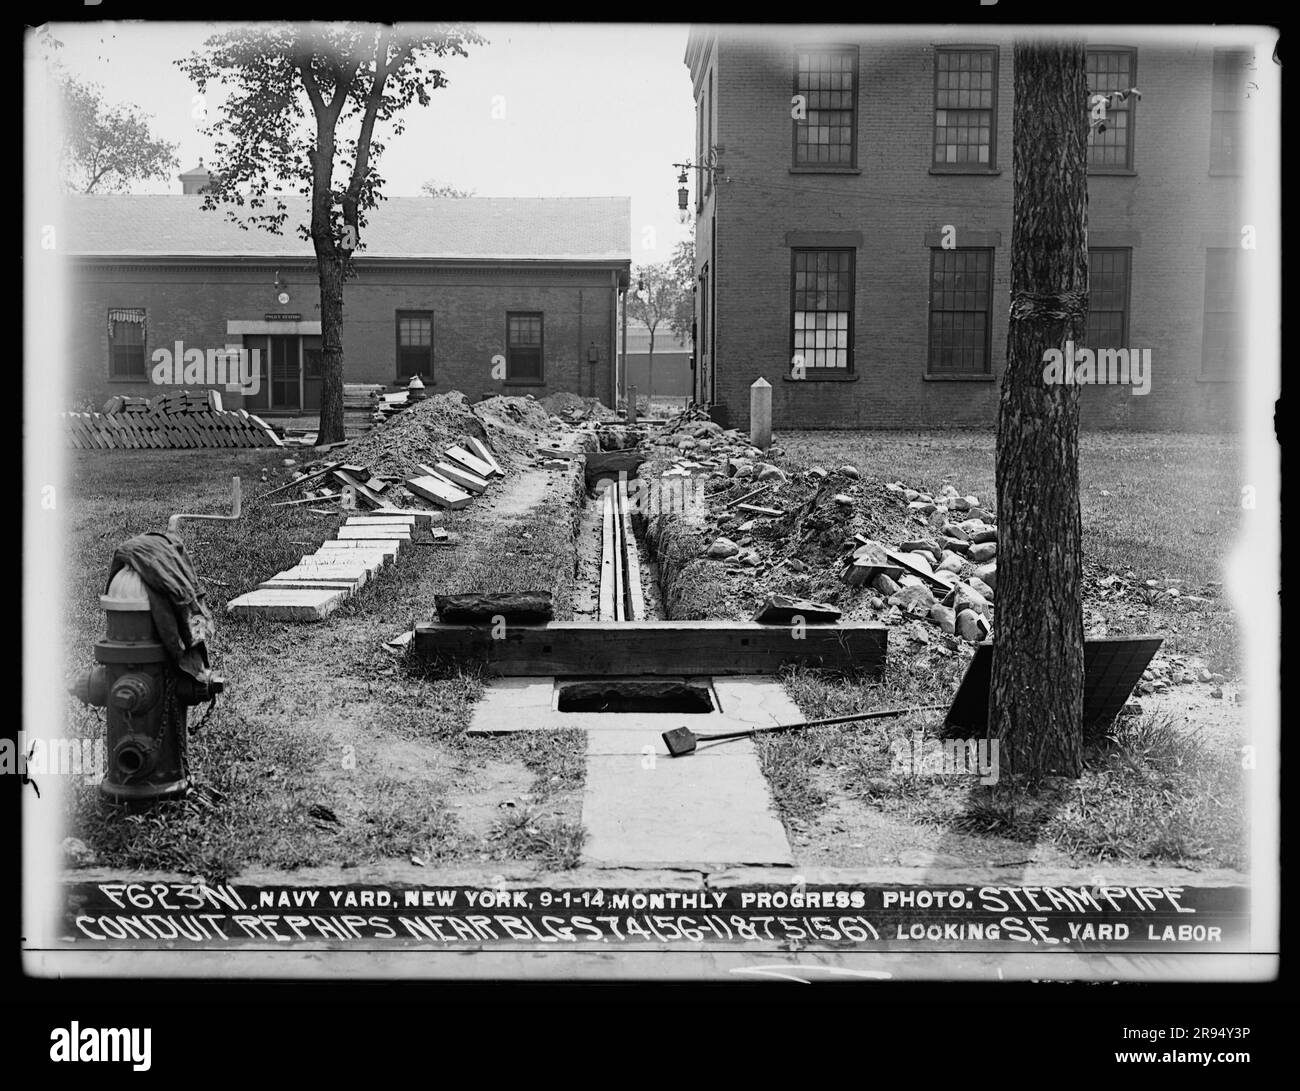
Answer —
647 696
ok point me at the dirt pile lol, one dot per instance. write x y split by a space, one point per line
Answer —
571 408
509 426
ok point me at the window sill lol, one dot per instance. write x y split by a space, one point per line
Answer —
822 377
941 378
1112 172
991 172
523 382
130 378
827 169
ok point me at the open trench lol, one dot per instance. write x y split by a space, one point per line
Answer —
641 807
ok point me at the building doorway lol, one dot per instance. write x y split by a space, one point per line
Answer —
289 367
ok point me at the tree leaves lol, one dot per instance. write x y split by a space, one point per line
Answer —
108 148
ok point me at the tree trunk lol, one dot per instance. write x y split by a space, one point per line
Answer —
330 267
1036 696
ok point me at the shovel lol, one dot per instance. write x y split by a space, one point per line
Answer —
682 740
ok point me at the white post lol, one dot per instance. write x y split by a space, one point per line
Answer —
760 414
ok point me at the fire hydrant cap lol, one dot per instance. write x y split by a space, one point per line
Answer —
126 592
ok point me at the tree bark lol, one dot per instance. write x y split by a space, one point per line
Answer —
1036 695
330 276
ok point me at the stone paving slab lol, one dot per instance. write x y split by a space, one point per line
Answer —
712 809
288 604
387 548
376 531
528 704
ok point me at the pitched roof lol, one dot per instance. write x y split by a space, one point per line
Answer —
467 228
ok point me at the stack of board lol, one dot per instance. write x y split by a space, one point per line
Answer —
127 427
462 473
319 583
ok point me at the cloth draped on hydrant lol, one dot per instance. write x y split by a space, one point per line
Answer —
176 601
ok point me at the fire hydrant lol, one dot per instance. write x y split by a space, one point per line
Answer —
147 698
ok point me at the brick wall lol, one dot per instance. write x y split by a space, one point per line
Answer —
1169 211
193 303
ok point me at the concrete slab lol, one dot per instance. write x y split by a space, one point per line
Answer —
529 704
360 560
644 809
392 519
379 531
710 810
319 583
288 604
385 547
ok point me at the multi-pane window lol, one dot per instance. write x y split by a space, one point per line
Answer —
414 344
822 308
1227 106
961 301
126 340
827 79
965 108
1110 145
524 347
1222 333
1108 280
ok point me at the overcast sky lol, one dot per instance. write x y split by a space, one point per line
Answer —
590 111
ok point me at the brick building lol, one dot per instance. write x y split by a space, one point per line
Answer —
499 295
871 235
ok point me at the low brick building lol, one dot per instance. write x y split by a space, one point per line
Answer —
853 214
483 295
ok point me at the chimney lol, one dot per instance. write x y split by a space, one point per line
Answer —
196 180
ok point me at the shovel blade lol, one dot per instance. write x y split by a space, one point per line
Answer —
680 741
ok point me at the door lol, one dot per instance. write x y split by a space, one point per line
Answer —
285 372
311 372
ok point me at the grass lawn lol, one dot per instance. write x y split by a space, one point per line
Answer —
1155 507
324 749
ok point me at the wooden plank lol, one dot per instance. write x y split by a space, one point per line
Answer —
755 509
477 608
654 647
478 447
472 463
462 479
635 594
438 491
358 488
607 604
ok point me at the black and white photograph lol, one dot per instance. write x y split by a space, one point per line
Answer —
677 503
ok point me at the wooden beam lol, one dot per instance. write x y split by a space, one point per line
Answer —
635 594
478 447
473 463
574 648
439 491
608 602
